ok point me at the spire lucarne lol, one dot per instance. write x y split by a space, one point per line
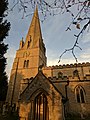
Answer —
34 36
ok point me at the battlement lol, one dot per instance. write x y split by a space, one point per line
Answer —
69 78
68 65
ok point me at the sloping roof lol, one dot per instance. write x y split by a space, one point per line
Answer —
40 81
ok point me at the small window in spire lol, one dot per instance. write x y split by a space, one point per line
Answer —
28 44
21 44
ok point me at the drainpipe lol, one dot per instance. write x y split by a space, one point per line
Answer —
66 99
66 89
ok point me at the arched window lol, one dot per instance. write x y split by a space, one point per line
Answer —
75 73
60 75
26 64
40 108
80 94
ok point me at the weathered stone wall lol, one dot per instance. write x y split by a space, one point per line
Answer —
67 70
55 109
73 106
24 111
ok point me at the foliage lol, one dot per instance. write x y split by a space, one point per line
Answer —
10 116
4 28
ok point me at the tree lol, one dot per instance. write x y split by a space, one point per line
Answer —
4 28
78 9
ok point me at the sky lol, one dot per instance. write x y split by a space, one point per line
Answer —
55 36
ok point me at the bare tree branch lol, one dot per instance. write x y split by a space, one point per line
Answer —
76 43
56 7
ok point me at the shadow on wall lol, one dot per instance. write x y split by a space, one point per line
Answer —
14 87
78 107
76 116
10 116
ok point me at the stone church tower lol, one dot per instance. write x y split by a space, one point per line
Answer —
30 55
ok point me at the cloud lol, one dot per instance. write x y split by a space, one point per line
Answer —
68 58
51 62
85 56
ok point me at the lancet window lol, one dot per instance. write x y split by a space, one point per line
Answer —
26 64
40 109
80 94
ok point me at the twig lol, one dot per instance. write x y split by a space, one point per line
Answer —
75 44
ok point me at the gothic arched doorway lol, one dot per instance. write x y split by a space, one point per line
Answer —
40 107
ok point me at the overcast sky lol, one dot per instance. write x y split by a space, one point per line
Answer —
55 37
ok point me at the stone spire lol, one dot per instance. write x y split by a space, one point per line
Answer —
34 36
30 57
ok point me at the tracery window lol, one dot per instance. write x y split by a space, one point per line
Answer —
40 108
80 94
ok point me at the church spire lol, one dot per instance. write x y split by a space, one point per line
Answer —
34 36
30 56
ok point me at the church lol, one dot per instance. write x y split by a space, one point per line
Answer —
42 92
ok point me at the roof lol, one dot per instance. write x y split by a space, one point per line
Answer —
40 81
